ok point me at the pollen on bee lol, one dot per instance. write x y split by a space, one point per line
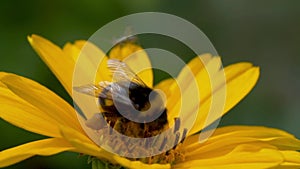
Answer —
108 102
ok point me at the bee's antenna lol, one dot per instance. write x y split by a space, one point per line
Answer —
126 37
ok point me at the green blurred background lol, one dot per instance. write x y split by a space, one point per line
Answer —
266 33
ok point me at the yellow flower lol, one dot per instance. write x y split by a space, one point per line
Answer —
29 105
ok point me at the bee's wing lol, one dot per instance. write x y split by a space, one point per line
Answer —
93 90
118 90
106 90
122 73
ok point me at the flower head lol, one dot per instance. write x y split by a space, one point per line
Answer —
29 105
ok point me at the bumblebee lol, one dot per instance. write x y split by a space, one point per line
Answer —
129 105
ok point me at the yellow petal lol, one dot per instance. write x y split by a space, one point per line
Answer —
20 113
196 64
59 63
136 58
229 137
42 99
165 86
44 147
244 156
28 118
83 143
62 62
71 51
138 165
264 146
202 63
252 131
196 83
240 79
291 160
91 66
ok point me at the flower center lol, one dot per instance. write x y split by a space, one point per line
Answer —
165 147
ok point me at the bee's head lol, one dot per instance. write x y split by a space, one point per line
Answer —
139 95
